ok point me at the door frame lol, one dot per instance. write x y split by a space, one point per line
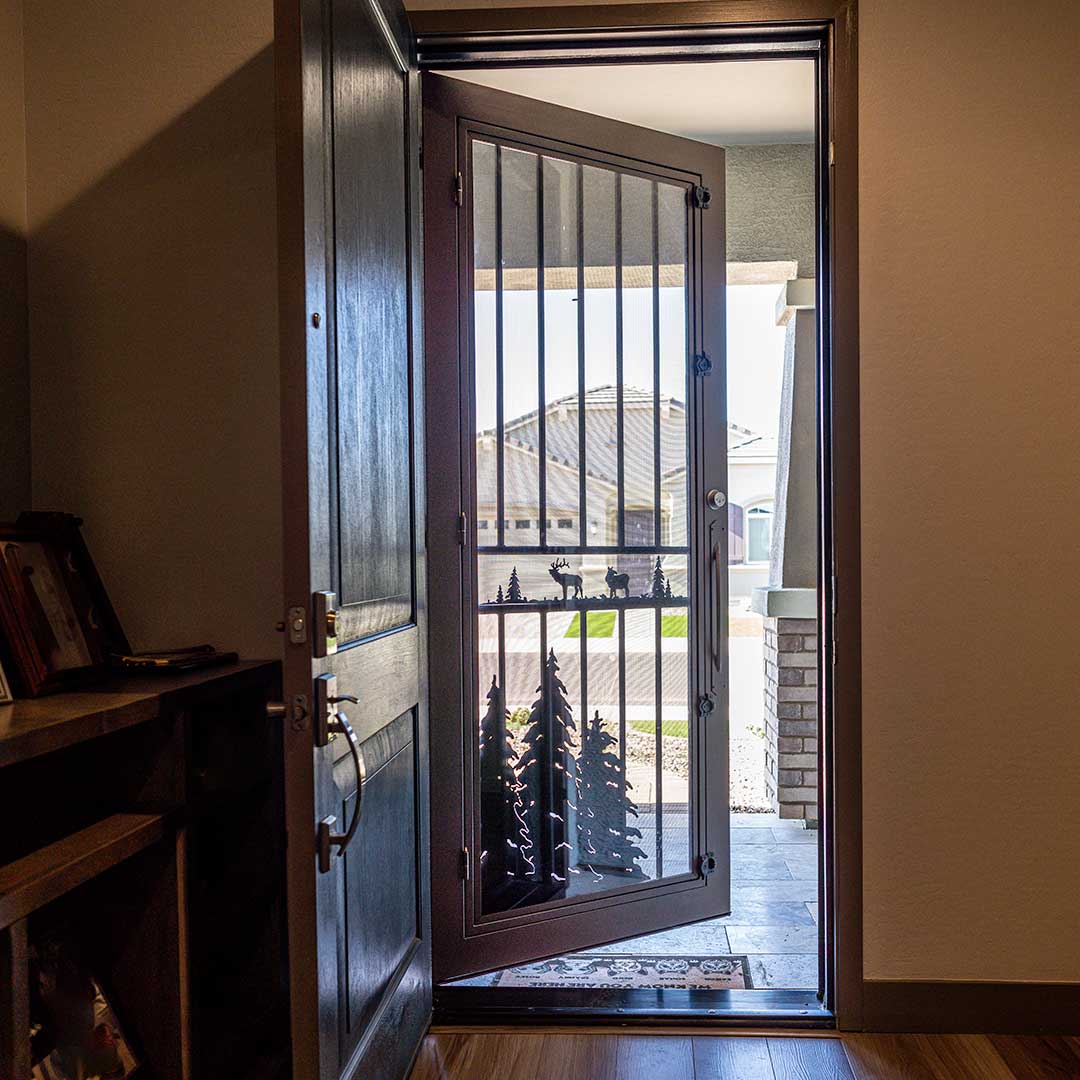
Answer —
689 30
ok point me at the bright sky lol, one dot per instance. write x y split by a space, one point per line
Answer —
755 349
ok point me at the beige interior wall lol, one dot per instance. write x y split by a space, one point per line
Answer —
970 245
14 363
153 306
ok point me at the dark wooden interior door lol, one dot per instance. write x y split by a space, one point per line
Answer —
575 280
355 653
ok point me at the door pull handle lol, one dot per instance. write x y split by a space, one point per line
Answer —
325 838
717 602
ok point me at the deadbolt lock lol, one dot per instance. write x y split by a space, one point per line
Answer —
716 499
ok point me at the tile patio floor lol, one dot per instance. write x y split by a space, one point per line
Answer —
773 916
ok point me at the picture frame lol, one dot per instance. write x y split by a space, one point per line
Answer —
56 619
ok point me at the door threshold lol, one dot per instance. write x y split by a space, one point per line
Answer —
799 1009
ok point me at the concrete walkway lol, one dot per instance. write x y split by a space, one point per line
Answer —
774 909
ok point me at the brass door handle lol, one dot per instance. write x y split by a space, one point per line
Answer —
326 839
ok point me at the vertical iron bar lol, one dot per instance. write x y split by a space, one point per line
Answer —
541 413
657 458
619 419
500 497
545 750
622 691
658 808
502 653
583 532
583 663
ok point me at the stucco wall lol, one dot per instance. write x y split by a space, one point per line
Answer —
770 205
14 360
153 330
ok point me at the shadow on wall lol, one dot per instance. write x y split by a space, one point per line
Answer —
15 385
153 333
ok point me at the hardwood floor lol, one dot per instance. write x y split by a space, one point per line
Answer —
577 1055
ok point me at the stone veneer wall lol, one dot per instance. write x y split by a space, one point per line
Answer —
791 718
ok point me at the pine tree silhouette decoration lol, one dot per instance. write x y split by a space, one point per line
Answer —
504 848
606 844
667 589
544 777
499 596
658 580
513 591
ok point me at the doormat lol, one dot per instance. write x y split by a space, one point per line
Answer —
609 970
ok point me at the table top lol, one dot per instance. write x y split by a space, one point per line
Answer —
34 726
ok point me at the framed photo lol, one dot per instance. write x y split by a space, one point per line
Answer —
55 616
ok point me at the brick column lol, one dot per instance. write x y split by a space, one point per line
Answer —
791 717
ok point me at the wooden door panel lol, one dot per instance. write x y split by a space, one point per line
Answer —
374 475
378 877
353 501
385 675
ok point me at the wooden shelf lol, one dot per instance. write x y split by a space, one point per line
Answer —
47 874
36 726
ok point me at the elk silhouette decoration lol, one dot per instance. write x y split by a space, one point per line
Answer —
566 580
616 581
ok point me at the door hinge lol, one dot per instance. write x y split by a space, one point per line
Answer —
700 197
459 189
463 528
706 864
832 152
702 363
463 868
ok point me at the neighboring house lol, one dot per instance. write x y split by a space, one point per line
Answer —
751 478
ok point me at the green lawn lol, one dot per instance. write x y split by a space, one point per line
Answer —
602 624
667 727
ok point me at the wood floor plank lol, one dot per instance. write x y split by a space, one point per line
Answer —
479 1057
1036 1056
885 1057
925 1057
566 1056
728 1057
655 1057
438 1056
809 1059
578 1055
964 1055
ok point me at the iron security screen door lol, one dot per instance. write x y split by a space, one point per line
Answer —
575 289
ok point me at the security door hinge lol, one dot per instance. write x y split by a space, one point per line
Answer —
702 363
459 189
463 528
464 865
700 197
706 864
